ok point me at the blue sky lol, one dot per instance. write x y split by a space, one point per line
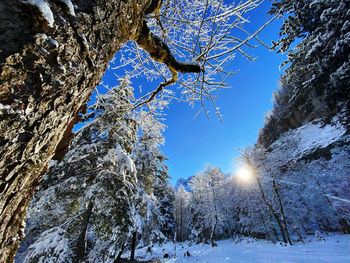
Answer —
191 144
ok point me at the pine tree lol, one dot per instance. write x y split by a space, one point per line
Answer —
95 185
155 196
316 83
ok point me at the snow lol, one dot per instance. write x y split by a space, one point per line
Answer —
44 9
69 5
333 249
306 139
184 182
51 240
5 108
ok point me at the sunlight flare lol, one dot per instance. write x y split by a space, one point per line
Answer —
245 175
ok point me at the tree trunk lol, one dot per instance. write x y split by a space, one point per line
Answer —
272 210
181 225
47 74
117 259
80 244
133 246
212 236
284 220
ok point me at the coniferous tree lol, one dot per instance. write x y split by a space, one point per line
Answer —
316 82
95 184
154 206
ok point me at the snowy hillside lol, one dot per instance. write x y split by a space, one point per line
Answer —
305 140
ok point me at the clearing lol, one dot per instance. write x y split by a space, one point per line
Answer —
335 248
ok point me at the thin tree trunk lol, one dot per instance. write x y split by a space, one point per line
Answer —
298 233
212 236
80 244
133 246
181 223
216 218
273 212
47 74
117 260
282 211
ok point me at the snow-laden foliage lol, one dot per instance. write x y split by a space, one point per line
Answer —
296 187
302 150
206 216
316 82
205 33
309 168
94 193
182 213
52 246
96 182
154 201
111 194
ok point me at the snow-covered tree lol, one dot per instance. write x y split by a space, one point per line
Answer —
52 246
197 31
303 176
241 208
182 216
316 82
206 216
112 187
200 38
95 184
154 205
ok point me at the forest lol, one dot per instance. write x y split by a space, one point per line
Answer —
106 194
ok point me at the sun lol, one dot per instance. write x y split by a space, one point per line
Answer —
245 175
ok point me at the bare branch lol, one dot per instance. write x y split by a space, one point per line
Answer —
208 31
160 51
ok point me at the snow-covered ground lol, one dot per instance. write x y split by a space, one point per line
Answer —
335 249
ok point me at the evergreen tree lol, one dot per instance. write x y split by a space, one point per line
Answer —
316 82
95 185
154 205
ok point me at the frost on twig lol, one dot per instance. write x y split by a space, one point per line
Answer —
207 34
160 52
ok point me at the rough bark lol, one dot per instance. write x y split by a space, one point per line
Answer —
47 74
